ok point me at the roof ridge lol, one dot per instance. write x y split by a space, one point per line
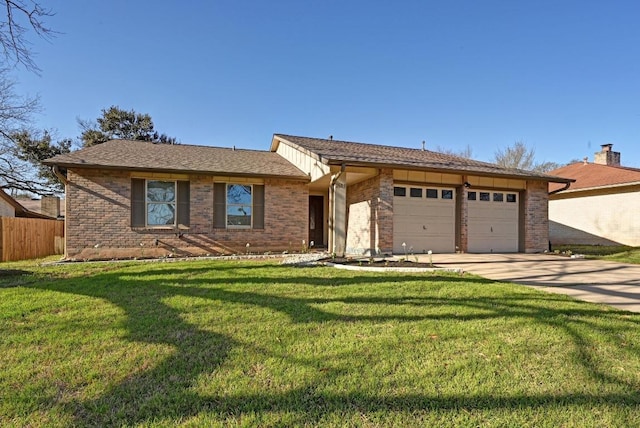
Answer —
360 143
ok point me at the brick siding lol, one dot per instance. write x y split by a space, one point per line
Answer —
370 215
99 220
536 217
462 214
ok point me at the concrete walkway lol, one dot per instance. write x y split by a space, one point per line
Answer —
609 283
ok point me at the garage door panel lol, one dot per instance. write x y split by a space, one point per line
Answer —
506 229
493 224
419 229
437 244
423 223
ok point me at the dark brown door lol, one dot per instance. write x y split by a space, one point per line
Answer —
316 220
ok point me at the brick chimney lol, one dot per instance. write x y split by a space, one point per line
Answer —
50 205
607 156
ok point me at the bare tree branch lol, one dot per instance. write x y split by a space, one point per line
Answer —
522 157
20 17
466 153
18 172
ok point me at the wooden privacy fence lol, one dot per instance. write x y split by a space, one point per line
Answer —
30 238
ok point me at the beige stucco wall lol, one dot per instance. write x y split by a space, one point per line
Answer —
596 219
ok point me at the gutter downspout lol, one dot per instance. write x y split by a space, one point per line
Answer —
566 186
337 175
59 174
332 205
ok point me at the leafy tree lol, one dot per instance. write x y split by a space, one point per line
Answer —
116 123
34 148
522 157
24 150
19 17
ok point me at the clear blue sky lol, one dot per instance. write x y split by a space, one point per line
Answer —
562 76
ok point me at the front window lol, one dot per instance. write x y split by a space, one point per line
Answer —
239 205
161 203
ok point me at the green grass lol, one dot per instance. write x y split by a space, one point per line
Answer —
208 343
616 253
631 255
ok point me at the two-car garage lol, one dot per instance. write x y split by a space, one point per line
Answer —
424 218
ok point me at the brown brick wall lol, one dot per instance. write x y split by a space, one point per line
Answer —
370 215
98 220
462 217
385 211
536 217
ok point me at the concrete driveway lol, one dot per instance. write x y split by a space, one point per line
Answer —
609 283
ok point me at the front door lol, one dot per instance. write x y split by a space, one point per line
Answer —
316 221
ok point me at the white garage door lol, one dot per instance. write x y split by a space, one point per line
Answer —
423 219
492 221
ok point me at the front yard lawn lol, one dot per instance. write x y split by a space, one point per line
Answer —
210 343
631 255
614 253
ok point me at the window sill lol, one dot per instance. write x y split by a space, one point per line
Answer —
161 229
239 229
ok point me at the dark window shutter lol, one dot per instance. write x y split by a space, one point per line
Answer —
220 205
258 206
137 203
183 203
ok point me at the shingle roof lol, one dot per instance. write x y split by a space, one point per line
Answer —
593 175
182 158
338 152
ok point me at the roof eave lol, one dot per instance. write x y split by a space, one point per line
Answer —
452 170
180 171
610 186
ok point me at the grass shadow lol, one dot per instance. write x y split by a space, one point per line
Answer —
165 390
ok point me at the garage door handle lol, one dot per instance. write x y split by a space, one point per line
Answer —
424 227
492 228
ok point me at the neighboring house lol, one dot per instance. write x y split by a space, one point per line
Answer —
601 207
131 198
9 207
47 205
